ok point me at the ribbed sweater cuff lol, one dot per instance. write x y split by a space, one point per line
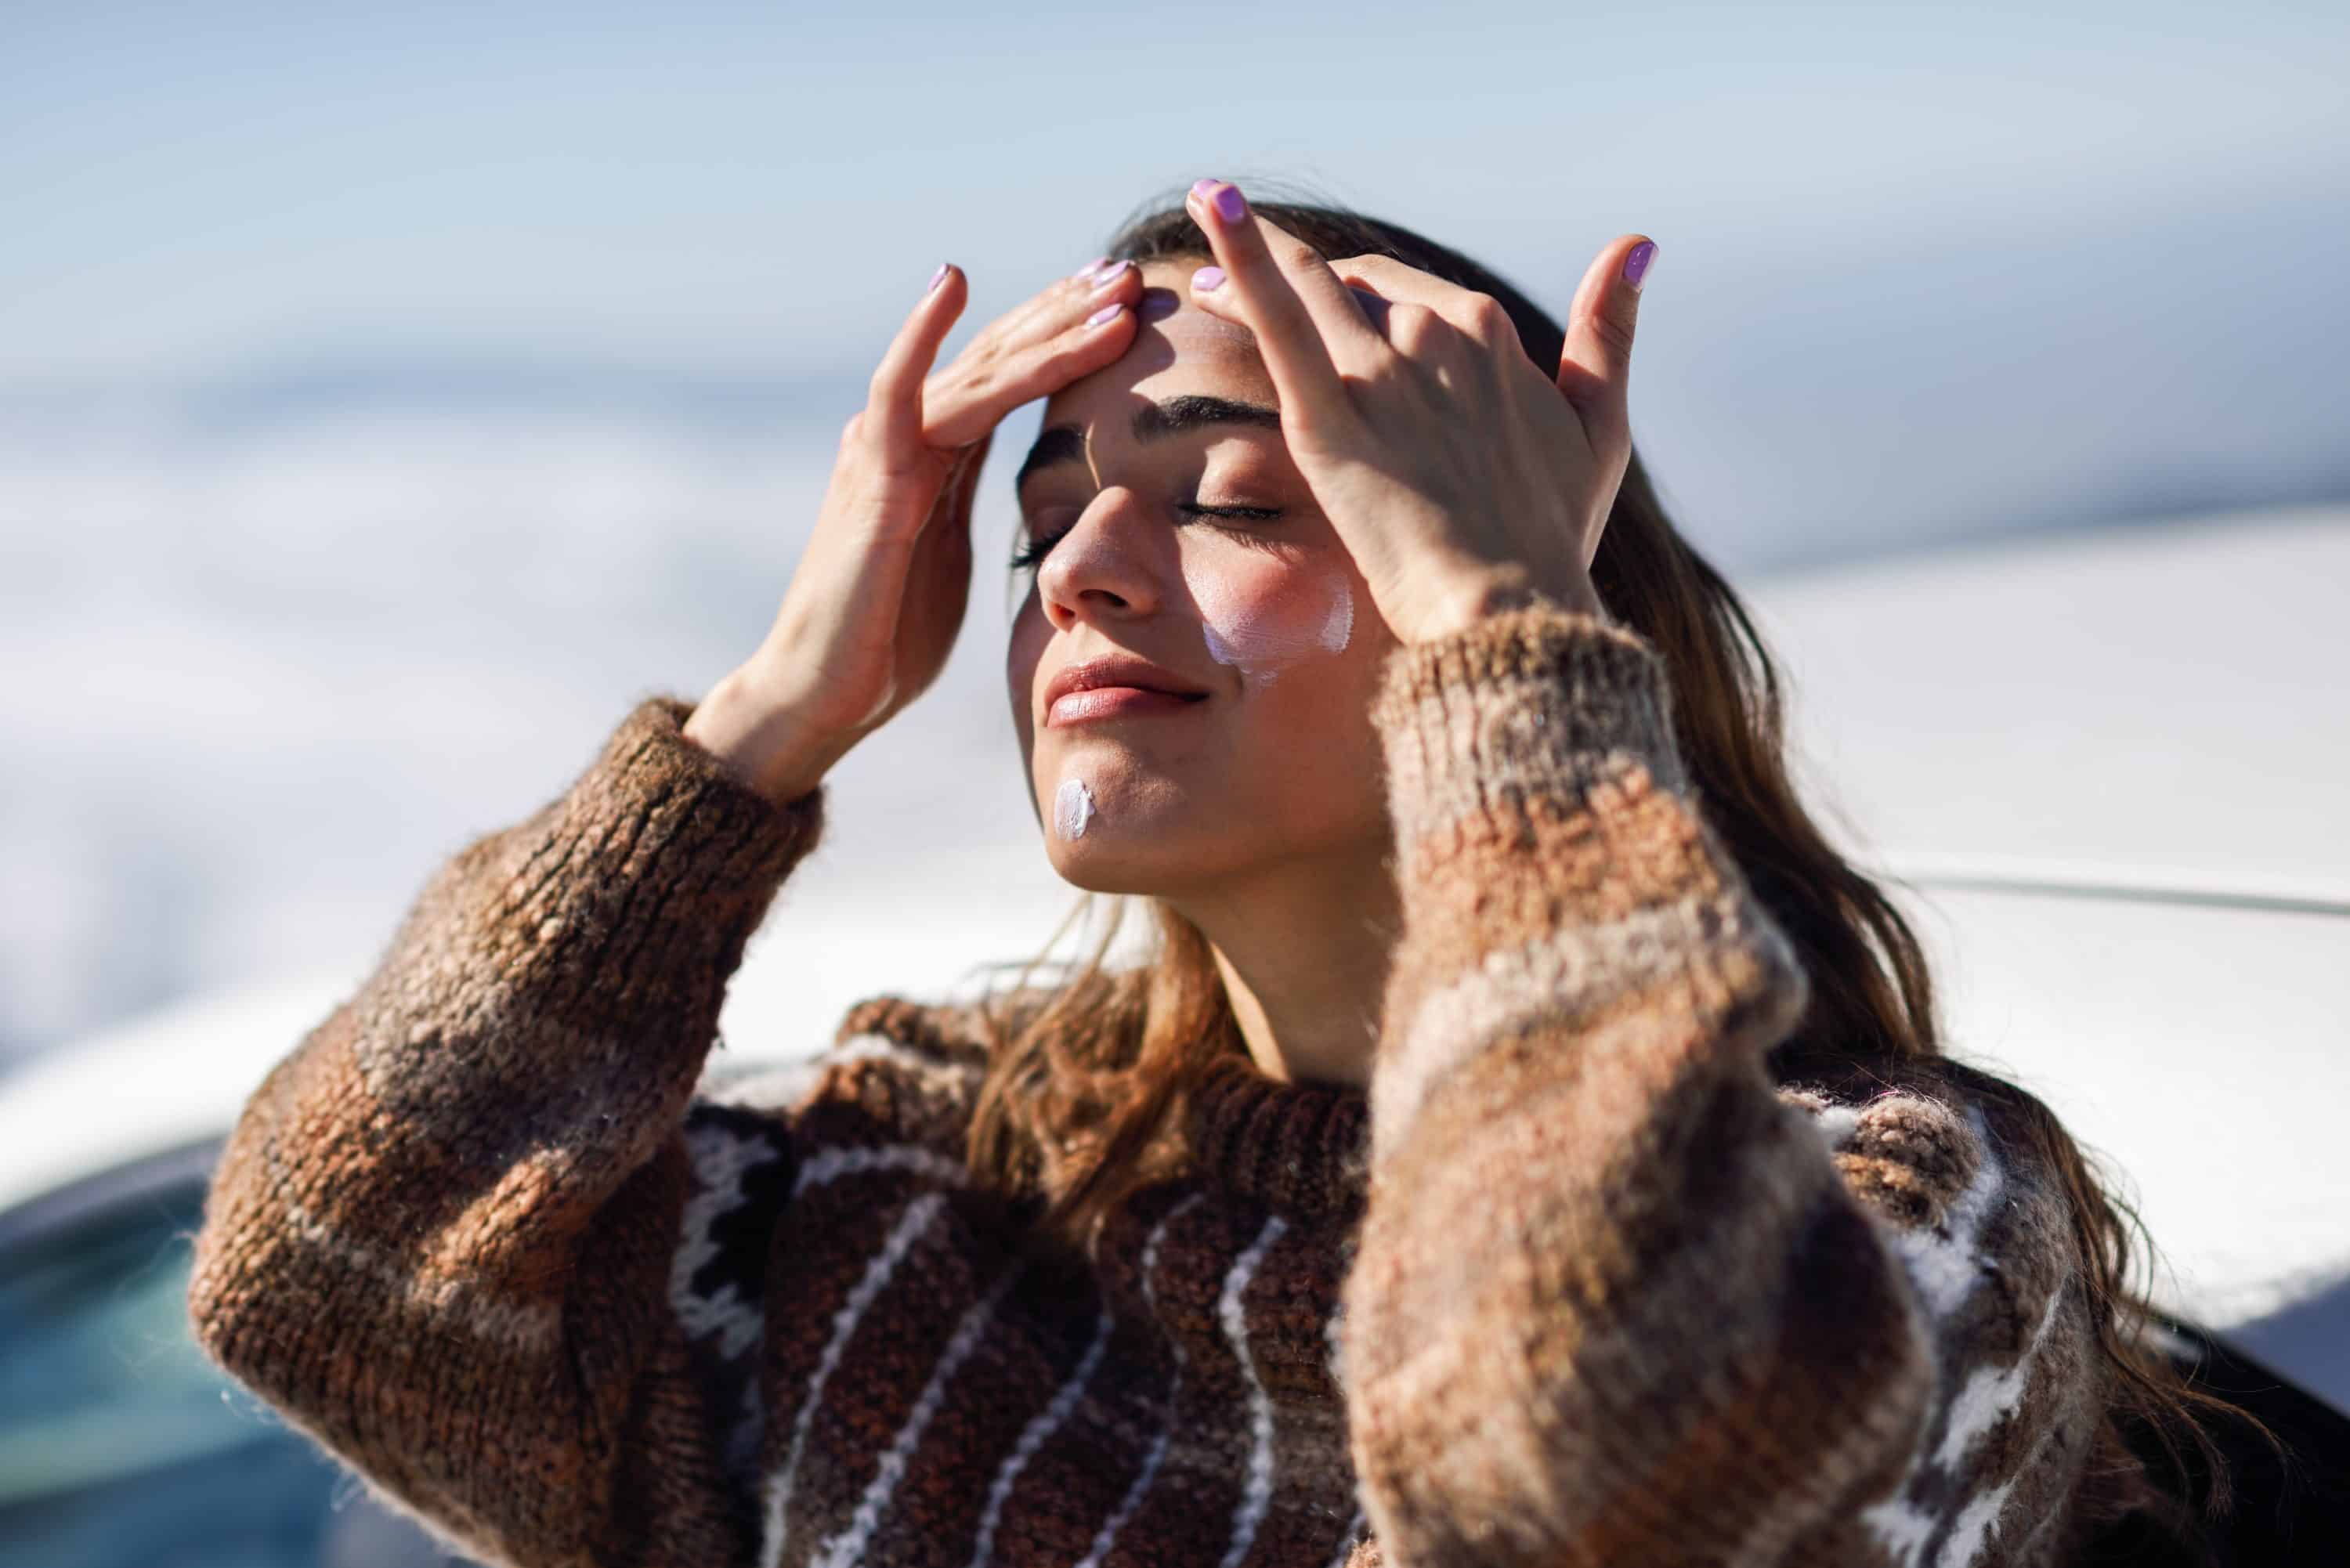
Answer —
649 765
664 854
1529 702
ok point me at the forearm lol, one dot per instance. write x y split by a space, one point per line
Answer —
1610 1300
487 1130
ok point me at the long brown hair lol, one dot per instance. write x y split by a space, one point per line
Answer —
1089 1075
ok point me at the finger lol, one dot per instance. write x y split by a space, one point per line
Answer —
1060 306
1275 285
1480 315
1087 332
1265 243
894 399
1050 308
1595 369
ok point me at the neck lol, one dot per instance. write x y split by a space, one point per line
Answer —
1304 951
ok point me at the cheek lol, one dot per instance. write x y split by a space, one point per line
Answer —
1030 632
1263 625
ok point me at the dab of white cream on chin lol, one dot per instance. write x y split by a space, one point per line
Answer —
1073 807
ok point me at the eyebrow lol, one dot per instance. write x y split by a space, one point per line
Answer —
1152 422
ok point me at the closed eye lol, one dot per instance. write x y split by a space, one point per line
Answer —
1034 551
1260 513
1029 555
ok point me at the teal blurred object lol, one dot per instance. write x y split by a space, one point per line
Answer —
120 1444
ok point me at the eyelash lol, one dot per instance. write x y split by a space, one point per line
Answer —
1035 550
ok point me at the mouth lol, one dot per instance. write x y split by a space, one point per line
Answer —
1119 686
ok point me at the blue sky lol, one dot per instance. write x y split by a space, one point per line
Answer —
196 188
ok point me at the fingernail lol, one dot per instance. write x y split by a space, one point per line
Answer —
1207 279
938 277
1230 204
1110 274
1635 265
1107 313
1090 266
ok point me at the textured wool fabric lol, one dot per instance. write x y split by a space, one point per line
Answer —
1575 1281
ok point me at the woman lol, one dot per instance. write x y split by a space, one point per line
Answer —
1528 1144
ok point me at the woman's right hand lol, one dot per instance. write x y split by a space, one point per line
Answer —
879 595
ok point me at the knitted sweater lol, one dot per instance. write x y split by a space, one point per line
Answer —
1574 1282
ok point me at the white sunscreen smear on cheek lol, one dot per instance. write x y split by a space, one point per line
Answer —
1260 647
1073 807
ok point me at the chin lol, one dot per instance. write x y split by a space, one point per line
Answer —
1097 866
1139 857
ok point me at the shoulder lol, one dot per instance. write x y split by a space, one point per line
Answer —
1961 1173
898 1068
905 1062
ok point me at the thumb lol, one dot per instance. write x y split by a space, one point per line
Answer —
1594 368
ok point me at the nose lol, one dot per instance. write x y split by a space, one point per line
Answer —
1105 567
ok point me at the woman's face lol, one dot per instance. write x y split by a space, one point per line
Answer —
1261 611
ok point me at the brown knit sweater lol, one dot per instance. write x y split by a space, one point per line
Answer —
1574 1282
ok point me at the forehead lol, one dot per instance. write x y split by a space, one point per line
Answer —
1179 348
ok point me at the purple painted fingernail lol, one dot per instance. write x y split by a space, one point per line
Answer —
938 277
1110 274
1207 279
1090 267
1636 264
1231 205
1107 314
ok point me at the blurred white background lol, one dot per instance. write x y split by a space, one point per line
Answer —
389 400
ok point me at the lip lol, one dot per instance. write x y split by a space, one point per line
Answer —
1118 686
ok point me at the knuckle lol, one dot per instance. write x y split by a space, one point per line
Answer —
1296 256
1486 316
1414 325
1615 331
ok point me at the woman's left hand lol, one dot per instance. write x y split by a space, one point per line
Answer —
1461 478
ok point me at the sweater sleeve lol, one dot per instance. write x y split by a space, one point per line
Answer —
1617 1298
444 1235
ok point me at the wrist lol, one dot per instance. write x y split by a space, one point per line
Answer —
1456 607
760 742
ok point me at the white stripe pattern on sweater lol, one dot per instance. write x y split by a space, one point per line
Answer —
848 1549
720 1157
1992 1394
1943 1261
1333 1343
1972 1529
1944 1264
787 1086
1258 1496
1041 1427
919 1216
1837 1124
1149 1471
833 1164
